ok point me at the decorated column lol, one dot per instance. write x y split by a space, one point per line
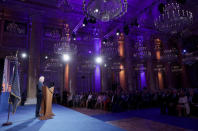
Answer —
66 78
121 51
68 54
129 69
34 59
158 49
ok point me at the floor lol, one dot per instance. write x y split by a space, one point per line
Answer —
143 120
65 120
140 124
82 119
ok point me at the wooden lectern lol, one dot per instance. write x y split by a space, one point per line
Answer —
46 104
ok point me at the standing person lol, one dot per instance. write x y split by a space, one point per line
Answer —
39 94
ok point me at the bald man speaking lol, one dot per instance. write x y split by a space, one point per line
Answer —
39 95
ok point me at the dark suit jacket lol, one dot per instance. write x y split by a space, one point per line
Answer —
39 88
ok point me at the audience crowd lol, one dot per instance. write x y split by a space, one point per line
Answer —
181 102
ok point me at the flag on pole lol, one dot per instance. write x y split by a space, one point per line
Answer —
15 95
1 74
6 76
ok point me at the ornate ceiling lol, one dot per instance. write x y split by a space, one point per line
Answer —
71 12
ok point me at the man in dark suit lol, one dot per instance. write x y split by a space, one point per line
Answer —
39 94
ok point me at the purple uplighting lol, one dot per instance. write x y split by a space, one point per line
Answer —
97 45
143 80
98 64
97 79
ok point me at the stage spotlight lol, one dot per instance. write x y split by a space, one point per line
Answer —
23 55
104 41
74 36
66 57
184 51
99 60
118 32
84 22
46 57
96 11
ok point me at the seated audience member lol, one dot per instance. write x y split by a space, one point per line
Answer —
88 100
99 101
172 102
70 100
164 97
107 102
64 100
194 103
83 100
183 104
77 100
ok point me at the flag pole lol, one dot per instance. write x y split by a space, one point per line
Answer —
9 123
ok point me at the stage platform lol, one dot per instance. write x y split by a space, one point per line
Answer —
65 120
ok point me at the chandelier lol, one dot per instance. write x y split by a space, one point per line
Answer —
105 10
64 46
174 19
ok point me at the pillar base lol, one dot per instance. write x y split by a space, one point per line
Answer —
30 101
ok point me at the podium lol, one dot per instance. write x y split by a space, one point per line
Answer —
46 104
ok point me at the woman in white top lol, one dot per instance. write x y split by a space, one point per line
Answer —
183 103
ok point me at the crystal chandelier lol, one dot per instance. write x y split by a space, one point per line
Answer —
105 10
64 46
173 19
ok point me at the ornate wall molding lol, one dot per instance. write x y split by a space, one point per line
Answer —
52 33
15 27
